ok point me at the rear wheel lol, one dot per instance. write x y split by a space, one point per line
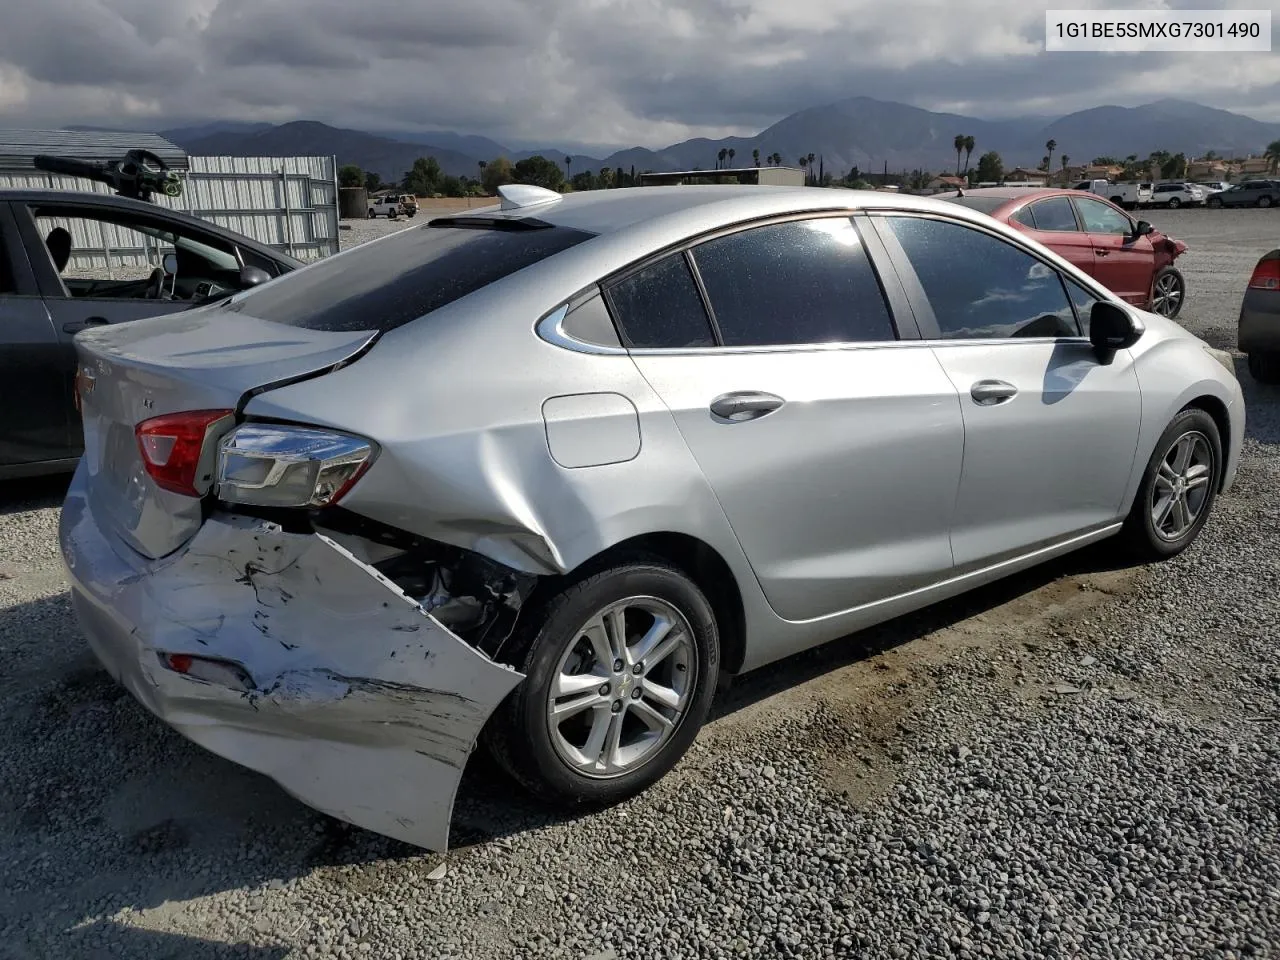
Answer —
620 670
1174 203
1168 290
1178 488
1264 201
372 213
1265 367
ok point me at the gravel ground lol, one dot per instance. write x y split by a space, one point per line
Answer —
1081 761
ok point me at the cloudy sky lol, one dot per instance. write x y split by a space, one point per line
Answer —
608 72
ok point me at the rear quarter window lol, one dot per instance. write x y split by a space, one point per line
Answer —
385 284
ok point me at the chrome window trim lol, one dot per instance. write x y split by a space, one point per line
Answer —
551 329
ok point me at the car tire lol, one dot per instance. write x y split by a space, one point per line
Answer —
554 760
1214 203
1168 292
372 214
1174 203
1265 367
1264 201
1157 528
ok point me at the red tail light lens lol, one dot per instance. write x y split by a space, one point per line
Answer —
1266 275
173 449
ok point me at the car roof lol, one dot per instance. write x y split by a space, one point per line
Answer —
613 211
1014 193
111 201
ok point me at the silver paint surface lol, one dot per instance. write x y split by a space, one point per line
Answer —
357 701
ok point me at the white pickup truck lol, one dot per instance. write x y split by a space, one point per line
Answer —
1127 195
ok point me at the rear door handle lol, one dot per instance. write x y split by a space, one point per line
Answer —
75 326
745 405
988 392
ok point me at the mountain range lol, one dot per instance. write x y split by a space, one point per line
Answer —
858 131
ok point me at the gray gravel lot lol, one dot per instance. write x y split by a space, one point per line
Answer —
1081 762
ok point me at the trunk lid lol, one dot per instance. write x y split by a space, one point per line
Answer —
204 359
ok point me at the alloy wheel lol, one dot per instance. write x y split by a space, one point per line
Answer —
1181 486
1168 295
622 687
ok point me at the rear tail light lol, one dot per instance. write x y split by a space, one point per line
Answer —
1266 275
269 465
174 449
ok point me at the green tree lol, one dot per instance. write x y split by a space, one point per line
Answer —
496 173
423 179
605 180
539 171
755 157
584 180
372 182
1174 167
720 157
804 165
1051 146
777 159
349 175
1272 154
568 163
1044 163
450 186
969 144
959 145
731 155
990 168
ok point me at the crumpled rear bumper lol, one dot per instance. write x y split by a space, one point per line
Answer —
313 668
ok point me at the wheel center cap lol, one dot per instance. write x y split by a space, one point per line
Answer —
624 685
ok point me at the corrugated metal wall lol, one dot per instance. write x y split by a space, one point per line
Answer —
288 202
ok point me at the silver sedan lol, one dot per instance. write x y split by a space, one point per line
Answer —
539 475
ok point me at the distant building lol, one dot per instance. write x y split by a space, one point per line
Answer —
1027 175
1213 170
940 184
768 176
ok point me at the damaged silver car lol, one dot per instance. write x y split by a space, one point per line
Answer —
539 475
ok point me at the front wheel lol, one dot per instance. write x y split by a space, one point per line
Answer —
1213 203
372 214
620 670
1168 290
1178 488
1265 367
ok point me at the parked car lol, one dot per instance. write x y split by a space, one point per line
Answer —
1128 196
408 204
1213 186
1251 193
1174 195
50 289
388 206
1258 331
548 470
1130 257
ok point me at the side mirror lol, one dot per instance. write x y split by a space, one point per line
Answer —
1142 228
170 264
1112 328
252 276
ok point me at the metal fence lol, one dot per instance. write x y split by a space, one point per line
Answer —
290 203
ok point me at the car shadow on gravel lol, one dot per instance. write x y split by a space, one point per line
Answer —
100 941
33 493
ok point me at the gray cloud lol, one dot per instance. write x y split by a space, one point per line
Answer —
583 71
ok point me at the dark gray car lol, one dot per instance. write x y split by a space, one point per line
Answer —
157 261
1251 193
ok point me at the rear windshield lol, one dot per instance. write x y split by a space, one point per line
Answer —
981 204
381 285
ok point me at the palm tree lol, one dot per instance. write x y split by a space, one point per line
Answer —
969 144
777 159
731 153
568 161
1272 154
804 165
959 145
722 154
483 164
755 157
1051 146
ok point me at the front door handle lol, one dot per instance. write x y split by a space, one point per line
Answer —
745 405
989 392
75 326
1101 253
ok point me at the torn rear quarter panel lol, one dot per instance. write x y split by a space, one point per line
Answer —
355 700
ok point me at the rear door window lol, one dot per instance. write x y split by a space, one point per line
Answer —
659 307
382 285
1055 215
800 282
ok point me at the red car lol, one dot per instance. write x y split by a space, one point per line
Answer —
1128 256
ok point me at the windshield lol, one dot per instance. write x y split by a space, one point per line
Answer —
386 283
